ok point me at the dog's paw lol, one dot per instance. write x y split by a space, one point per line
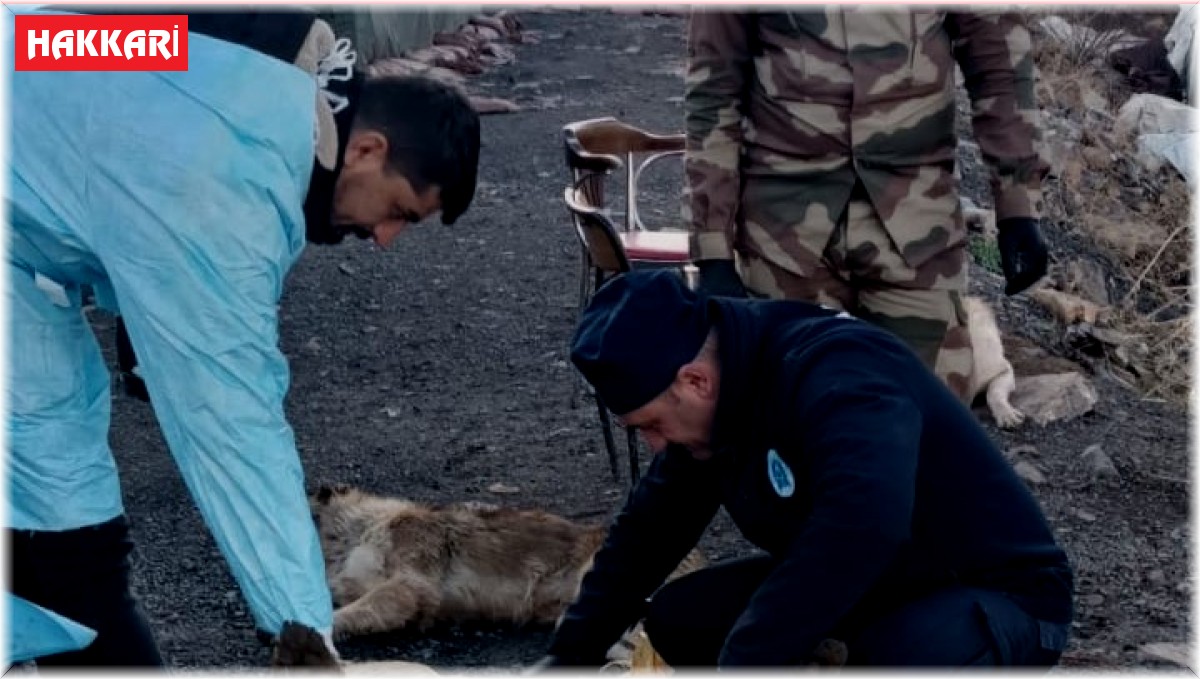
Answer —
302 646
1008 417
341 627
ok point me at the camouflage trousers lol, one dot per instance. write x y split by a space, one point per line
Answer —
860 271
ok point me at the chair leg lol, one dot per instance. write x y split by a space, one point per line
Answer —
610 444
635 471
588 285
585 279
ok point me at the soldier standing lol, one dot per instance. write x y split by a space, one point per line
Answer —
821 150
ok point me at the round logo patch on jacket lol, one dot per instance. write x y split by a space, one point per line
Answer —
780 475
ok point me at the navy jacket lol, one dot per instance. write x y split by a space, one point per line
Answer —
885 487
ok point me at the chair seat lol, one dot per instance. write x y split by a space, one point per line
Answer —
656 246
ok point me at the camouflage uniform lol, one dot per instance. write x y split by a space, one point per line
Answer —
821 150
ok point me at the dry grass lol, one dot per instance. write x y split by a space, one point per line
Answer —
1098 34
1138 219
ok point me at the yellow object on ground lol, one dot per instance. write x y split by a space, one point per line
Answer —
645 659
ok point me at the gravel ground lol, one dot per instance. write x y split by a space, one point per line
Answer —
439 367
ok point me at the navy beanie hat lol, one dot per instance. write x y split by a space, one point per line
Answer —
640 328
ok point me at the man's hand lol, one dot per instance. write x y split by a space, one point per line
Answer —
1022 253
719 278
302 646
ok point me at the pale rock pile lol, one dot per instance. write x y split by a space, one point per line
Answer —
477 45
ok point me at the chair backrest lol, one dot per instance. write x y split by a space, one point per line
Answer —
597 233
596 147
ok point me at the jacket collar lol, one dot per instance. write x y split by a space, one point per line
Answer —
318 203
732 320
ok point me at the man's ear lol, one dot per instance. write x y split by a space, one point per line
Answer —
366 146
699 378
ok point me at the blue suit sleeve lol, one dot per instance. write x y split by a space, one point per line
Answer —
202 201
863 430
36 631
217 382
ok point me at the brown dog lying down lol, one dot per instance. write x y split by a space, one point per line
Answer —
391 563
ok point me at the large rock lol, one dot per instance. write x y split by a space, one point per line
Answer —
1052 398
1165 130
1152 114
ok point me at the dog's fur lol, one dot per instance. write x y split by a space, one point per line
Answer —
391 563
991 372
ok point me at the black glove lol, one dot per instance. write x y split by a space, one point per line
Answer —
1022 253
719 278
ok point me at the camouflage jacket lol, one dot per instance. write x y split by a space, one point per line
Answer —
828 96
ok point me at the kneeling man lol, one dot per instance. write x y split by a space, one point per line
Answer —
887 517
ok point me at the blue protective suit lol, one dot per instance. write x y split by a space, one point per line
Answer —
178 196
38 632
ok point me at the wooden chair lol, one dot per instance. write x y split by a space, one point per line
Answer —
595 149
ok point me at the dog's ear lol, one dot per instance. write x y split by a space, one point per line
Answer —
324 493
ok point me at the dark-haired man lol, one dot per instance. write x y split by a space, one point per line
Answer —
183 199
887 517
